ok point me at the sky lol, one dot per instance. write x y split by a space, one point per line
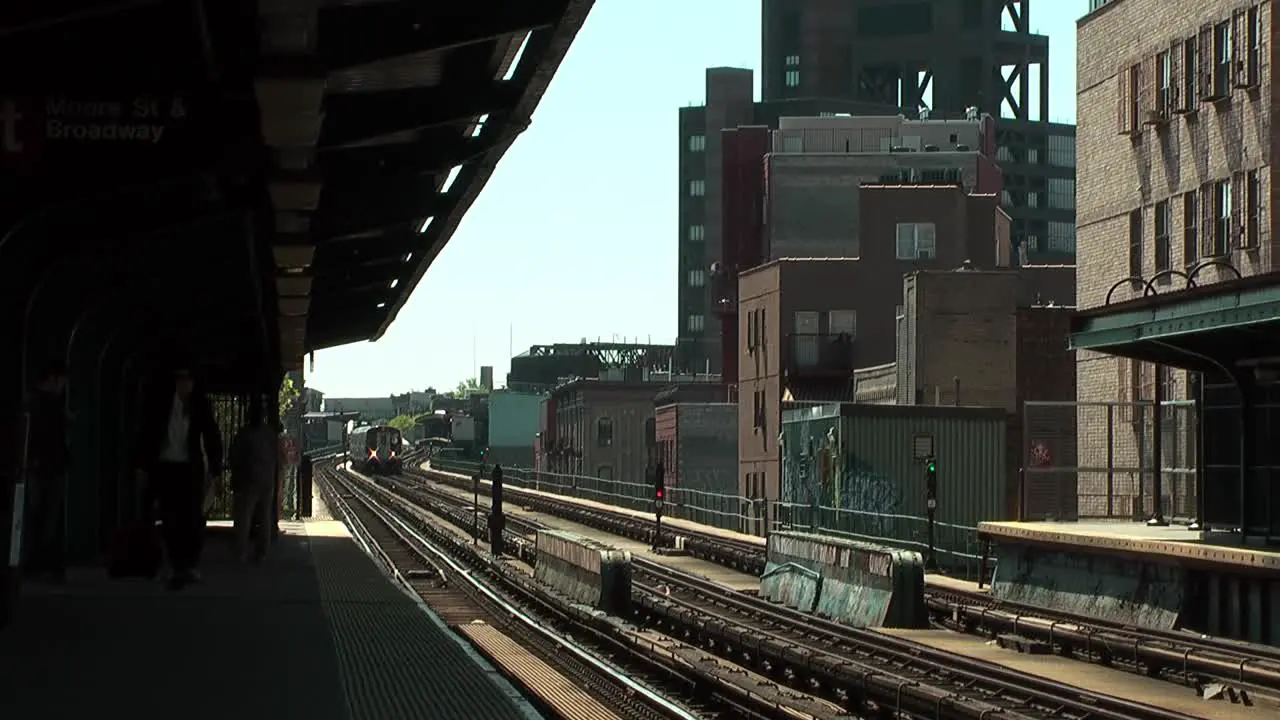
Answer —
575 234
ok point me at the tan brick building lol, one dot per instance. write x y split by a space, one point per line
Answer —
1174 179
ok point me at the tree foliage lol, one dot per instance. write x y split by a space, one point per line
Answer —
288 395
403 423
466 387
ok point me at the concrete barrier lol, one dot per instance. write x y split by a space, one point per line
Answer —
1144 593
584 570
851 582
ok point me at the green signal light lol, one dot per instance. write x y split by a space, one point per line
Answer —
932 466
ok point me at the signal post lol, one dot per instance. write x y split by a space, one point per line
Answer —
659 497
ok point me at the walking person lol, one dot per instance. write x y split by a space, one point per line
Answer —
253 475
48 460
179 454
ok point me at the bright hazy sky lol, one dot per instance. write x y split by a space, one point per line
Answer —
575 234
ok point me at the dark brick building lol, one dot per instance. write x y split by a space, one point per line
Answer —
869 57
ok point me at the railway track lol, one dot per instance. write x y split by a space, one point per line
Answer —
649 663
844 660
460 599
735 554
1177 656
1174 655
869 671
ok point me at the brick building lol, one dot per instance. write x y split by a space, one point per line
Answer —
1174 147
955 338
599 428
871 57
806 325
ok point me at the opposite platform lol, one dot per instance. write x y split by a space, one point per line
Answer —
317 631
1171 542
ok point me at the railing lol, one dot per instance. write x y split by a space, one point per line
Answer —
1096 460
730 512
820 354
877 139
956 547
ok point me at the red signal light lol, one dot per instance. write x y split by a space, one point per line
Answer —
659 494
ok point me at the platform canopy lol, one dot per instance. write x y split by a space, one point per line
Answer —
1204 327
251 179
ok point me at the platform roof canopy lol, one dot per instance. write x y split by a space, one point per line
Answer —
1215 327
288 167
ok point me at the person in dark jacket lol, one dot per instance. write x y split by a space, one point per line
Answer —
47 462
178 456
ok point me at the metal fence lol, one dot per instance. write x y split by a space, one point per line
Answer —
957 548
230 413
729 512
1096 460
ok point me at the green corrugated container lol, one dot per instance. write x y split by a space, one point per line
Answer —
970 445
864 464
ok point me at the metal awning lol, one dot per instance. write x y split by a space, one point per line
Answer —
1204 327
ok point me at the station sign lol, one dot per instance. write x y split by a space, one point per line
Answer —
72 130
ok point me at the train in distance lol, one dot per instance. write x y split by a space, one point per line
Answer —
375 449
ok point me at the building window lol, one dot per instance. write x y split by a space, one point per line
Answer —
917 241
1033 199
604 432
1164 84
792 78
1062 150
697 278
1253 213
792 61
842 322
1062 193
697 143
605 472
1004 154
1190 75
1163 220
1190 223
1129 99
1135 244
697 233
697 188
1062 237
1222 60
697 323
1221 219
1253 67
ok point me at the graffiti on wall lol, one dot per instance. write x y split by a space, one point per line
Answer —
866 489
817 470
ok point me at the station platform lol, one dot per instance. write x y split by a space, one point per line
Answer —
1160 577
316 631
726 577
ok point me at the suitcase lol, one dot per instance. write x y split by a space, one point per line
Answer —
136 552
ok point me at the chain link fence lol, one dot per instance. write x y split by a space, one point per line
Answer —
1097 460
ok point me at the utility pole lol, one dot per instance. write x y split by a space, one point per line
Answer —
931 505
659 493
475 508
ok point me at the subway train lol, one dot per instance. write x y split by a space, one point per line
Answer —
375 449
